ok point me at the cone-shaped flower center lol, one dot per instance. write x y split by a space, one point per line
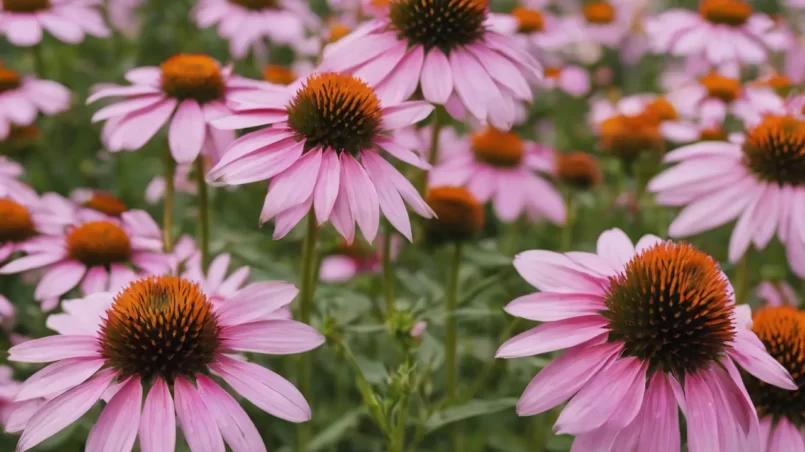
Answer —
578 169
189 76
459 215
528 20
160 327
25 6
726 12
445 24
600 13
9 80
15 222
279 75
338 31
626 136
671 306
99 243
106 203
663 109
713 134
496 148
256 4
553 72
336 111
782 330
719 87
775 150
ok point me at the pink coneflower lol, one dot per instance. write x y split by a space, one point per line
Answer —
98 255
323 152
10 187
189 90
758 180
245 23
123 16
447 48
18 228
601 22
175 366
539 28
651 329
777 293
353 259
22 97
14 415
500 167
570 79
722 30
22 21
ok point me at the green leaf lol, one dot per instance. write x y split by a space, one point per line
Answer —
336 430
473 408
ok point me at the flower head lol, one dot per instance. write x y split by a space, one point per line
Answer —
10 186
448 48
323 151
578 169
649 328
164 332
25 96
22 21
350 260
459 215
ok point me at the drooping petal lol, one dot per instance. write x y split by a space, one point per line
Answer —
158 424
237 429
437 77
116 428
197 422
701 415
187 132
752 356
660 429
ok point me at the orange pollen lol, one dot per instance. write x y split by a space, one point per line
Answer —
9 80
733 13
713 134
599 13
380 4
781 84
16 224
192 76
663 109
671 306
578 169
719 87
528 20
25 6
279 75
106 203
160 326
626 136
553 72
338 31
99 243
459 215
774 150
498 149
256 5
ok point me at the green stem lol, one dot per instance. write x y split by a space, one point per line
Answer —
388 275
170 189
451 340
307 275
39 62
203 214
509 244
740 283
567 231
433 156
491 365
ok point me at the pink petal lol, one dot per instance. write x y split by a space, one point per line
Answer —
145 75
713 210
158 424
54 348
391 146
187 132
249 143
33 261
116 428
701 415
245 120
660 430
23 30
286 220
552 336
502 70
376 69
403 186
405 114
136 129
336 269
466 70
293 186
264 388
125 107
261 165
58 377
362 196
275 337
237 429
59 279
554 272
615 246
326 190
752 356
390 201
255 301
548 306
401 84
197 422
96 280
704 149
785 437
437 77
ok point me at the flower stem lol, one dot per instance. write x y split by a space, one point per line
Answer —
451 339
307 277
433 155
167 214
567 231
39 62
740 283
388 275
203 213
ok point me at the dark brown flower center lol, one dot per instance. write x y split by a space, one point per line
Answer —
106 203
671 306
496 148
189 76
160 327
774 150
25 6
528 20
599 13
578 169
444 24
459 215
726 12
336 111
15 222
99 243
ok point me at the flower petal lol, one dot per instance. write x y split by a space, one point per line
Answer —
197 422
158 424
553 336
54 348
237 429
275 337
116 428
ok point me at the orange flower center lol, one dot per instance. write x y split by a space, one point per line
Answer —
528 20
160 327
578 169
719 87
279 75
191 76
553 72
671 306
774 150
626 136
781 84
663 109
782 331
600 13
15 222
713 134
25 6
498 149
459 215
338 31
256 5
444 24
726 12
9 80
106 203
336 111
99 243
